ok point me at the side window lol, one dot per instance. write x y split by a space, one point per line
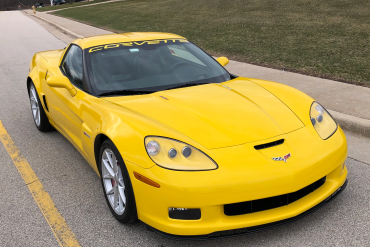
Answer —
72 66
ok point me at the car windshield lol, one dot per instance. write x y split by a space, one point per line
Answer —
150 66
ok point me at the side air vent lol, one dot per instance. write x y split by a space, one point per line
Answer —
270 144
46 105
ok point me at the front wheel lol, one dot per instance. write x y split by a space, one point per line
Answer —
39 116
116 183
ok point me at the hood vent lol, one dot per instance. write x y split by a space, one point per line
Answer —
268 145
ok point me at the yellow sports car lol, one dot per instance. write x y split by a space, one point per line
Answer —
181 144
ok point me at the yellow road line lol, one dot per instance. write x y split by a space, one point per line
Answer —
57 223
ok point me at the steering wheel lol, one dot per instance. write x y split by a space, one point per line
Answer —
176 66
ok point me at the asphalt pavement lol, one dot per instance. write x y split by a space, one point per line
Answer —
76 190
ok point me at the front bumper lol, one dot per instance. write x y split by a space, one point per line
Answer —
253 229
235 182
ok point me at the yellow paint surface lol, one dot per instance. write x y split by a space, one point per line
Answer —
57 223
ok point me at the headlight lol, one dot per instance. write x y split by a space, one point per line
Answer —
322 121
176 155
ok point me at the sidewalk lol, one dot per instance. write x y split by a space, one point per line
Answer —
349 104
76 29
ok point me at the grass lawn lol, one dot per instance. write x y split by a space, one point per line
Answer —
67 5
329 39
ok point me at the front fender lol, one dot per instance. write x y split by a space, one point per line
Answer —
127 130
37 72
33 76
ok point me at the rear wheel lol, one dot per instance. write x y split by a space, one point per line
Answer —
39 116
116 183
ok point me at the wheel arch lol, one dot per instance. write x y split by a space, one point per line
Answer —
29 80
99 139
33 76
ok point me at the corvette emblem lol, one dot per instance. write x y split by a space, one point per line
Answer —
283 158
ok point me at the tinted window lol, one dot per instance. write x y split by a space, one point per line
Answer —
151 65
72 66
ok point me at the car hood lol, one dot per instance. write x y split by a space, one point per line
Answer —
217 115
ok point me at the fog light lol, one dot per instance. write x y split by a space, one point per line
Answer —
184 213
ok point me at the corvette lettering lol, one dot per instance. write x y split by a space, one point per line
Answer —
284 158
138 43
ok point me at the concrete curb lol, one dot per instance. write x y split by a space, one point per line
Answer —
350 123
353 124
62 29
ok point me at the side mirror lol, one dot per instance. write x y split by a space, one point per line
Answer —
223 61
61 82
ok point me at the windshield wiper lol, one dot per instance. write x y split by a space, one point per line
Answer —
125 92
186 85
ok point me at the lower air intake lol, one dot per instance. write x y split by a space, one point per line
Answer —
271 202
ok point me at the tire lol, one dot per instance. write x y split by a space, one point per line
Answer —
38 113
116 184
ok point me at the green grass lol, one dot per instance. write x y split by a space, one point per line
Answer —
329 39
67 5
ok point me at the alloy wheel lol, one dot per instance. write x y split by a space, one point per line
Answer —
114 186
35 106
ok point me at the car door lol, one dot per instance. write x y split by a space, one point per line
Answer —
65 109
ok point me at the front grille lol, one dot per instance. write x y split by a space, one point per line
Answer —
271 202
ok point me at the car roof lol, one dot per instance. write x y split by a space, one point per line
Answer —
88 42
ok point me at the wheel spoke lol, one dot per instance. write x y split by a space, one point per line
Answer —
37 113
120 206
108 154
108 168
121 183
114 163
110 192
34 94
36 117
116 195
122 194
108 176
